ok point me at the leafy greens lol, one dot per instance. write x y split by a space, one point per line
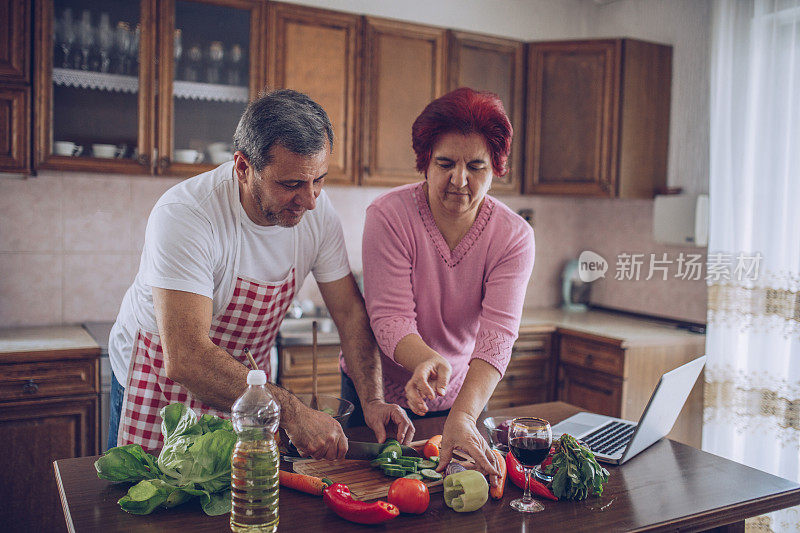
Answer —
195 461
576 473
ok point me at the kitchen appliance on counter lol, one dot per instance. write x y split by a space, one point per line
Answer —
100 332
574 291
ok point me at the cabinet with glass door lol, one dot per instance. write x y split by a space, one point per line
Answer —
151 87
215 50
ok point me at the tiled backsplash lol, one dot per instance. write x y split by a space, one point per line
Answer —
70 246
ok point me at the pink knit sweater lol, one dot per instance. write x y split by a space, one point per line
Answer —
465 303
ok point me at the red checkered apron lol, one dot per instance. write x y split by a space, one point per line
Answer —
251 320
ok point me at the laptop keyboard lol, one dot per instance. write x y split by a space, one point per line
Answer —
610 438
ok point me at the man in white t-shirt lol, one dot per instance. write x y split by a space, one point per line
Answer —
224 253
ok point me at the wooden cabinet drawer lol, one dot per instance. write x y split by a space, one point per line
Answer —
539 344
595 392
512 397
592 355
326 384
20 381
297 361
525 369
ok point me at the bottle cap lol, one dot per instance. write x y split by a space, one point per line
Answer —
256 377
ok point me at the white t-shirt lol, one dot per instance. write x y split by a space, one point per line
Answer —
191 245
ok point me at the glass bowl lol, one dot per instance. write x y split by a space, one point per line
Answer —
498 440
339 408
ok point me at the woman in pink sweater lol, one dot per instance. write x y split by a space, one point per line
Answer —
445 271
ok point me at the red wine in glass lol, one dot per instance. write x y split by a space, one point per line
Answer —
529 451
529 440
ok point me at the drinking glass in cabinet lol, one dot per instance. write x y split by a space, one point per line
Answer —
210 88
65 36
105 42
95 102
85 38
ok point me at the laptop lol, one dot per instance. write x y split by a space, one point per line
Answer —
614 440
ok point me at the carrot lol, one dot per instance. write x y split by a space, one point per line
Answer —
497 491
302 482
432 447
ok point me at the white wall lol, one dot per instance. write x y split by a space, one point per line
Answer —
518 19
686 25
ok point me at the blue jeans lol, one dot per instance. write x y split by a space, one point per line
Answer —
357 418
117 393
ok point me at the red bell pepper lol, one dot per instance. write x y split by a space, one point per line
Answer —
517 475
338 498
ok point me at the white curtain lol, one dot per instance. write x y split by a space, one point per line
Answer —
752 405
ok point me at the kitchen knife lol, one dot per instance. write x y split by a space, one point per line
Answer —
370 450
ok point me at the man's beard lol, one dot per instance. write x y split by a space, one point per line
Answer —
280 218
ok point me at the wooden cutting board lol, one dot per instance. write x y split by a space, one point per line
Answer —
365 482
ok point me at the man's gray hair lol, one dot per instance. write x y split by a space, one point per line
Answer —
285 117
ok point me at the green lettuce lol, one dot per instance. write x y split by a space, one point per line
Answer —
194 462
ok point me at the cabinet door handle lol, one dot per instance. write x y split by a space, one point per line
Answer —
143 159
163 162
31 387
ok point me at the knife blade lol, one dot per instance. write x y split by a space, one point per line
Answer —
370 450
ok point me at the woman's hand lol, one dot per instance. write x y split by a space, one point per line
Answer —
430 379
460 431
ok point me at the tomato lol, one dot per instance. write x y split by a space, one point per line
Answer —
409 495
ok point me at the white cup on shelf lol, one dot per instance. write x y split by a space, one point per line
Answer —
67 148
220 157
187 155
106 151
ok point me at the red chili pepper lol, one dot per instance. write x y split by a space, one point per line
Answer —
517 475
338 498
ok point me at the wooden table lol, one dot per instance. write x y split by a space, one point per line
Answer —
669 486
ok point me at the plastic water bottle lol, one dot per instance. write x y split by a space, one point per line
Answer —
255 460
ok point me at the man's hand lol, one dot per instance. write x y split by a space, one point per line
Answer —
430 378
380 416
316 434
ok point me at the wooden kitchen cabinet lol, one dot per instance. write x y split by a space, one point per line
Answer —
15 90
493 64
295 369
205 83
150 88
317 52
605 376
530 375
15 107
15 51
404 71
49 409
598 118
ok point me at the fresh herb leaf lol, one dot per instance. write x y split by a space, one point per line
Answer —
576 473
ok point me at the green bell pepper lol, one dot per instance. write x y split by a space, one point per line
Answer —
466 491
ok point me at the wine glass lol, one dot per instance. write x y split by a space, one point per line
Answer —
529 439
105 41
67 35
235 59
86 36
177 49
122 40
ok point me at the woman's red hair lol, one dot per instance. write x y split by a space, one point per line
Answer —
465 111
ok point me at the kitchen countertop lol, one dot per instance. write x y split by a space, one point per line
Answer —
668 487
629 331
45 339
